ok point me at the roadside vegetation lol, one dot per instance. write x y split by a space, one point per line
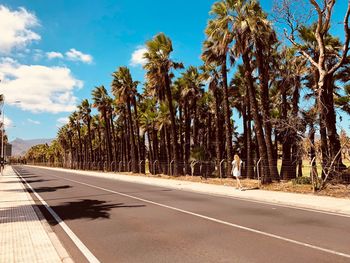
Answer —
284 73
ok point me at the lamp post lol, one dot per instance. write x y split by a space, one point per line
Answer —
2 105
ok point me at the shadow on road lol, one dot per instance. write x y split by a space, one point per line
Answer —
86 208
50 188
43 189
29 181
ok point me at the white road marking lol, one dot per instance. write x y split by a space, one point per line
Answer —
215 220
80 245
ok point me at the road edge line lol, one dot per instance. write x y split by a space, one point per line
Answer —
78 243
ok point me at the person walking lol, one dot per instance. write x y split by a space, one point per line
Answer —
236 170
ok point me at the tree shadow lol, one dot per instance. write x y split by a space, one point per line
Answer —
29 181
23 173
50 188
37 181
42 189
85 208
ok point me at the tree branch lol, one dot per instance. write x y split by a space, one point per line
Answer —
346 43
319 34
305 54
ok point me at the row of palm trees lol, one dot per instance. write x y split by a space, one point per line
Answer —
186 114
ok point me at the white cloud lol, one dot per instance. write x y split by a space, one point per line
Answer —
76 55
62 121
15 28
38 88
33 121
137 57
8 122
38 54
53 54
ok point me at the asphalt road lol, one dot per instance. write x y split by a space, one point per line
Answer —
126 222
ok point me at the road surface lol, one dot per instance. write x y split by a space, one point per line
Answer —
114 221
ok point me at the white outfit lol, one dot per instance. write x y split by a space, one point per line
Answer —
236 171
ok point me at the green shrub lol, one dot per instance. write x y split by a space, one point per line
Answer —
301 180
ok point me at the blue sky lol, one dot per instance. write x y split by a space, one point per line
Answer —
69 47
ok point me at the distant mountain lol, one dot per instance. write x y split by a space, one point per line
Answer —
20 146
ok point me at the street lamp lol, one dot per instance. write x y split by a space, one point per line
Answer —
2 105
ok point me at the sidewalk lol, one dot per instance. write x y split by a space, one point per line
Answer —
302 201
24 237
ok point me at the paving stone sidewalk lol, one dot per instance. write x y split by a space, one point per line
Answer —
23 236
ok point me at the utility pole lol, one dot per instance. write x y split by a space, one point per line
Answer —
2 105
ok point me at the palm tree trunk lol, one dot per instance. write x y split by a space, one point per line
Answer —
258 126
265 102
286 138
108 137
114 139
173 126
187 139
227 116
90 141
80 154
137 125
250 164
195 123
134 157
217 130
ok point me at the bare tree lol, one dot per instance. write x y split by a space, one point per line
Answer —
326 62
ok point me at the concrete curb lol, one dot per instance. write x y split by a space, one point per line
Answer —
324 204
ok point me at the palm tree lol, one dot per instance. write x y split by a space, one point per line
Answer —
74 123
210 74
265 40
84 110
148 126
216 50
242 104
102 102
124 89
158 66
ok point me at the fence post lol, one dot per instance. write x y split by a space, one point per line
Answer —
129 166
140 170
258 172
154 166
193 165
170 165
312 175
220 170
112 163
